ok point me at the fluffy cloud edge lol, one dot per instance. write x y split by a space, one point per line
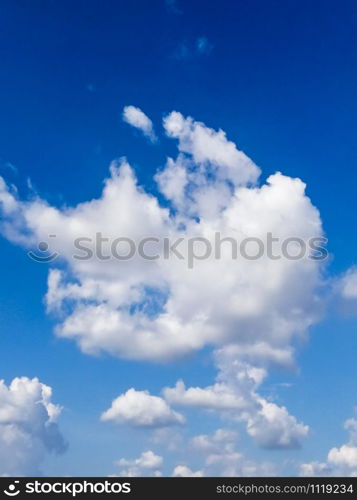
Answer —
135 117
141 409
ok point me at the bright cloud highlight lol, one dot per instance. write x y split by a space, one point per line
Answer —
138 119
141 409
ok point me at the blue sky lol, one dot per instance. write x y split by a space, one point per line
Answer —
279 78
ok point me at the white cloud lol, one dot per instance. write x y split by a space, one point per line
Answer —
235 395
137 118
222 440
28 429
313 469
211 150
148 464
169 437
273 427
343 293
345 456
348 284
141 409
340 461
184 471
222 457
215 397
205 305
216 455
6 198
173 181
160 310
255 312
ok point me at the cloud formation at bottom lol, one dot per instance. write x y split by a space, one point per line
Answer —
28 428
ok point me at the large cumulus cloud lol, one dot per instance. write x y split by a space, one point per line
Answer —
161 309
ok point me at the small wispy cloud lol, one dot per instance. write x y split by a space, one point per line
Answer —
200 46
7 165
137 118
203 46
172 7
